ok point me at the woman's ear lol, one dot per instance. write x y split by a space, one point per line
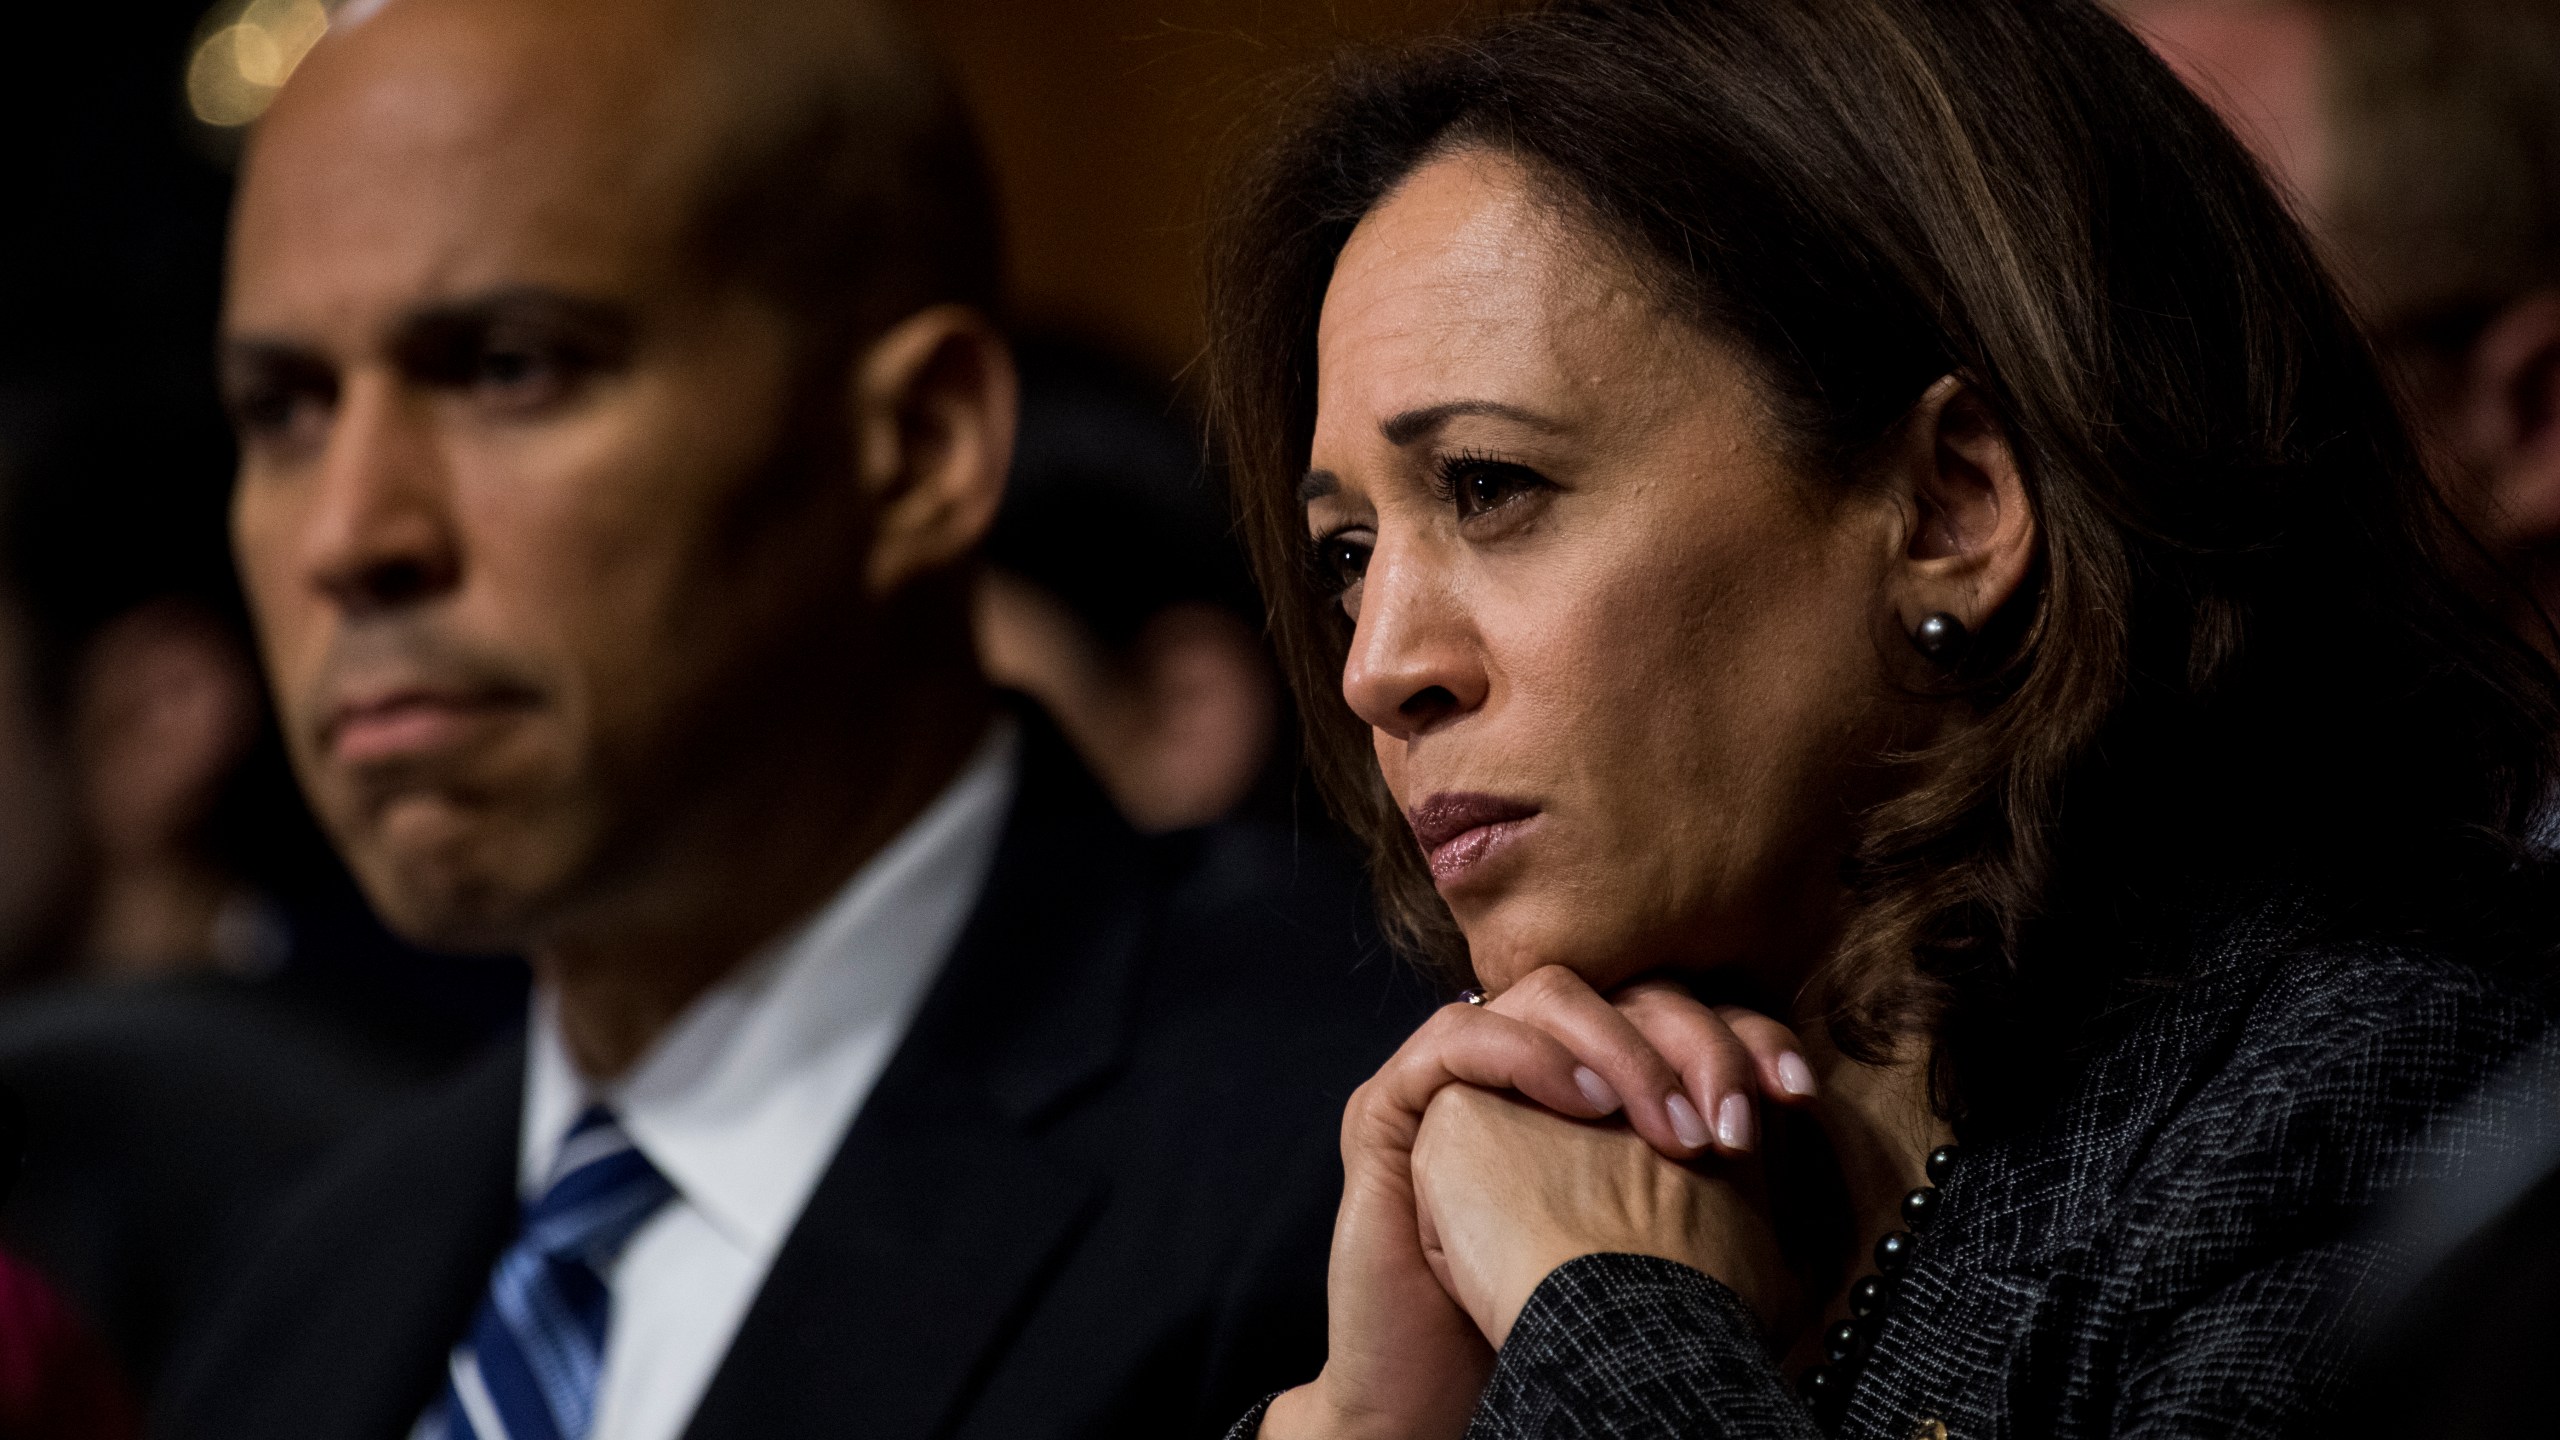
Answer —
933 403
1972 535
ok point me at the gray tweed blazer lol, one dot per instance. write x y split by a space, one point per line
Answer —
2185 1245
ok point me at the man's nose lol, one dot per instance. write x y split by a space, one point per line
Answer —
1414 663
380 534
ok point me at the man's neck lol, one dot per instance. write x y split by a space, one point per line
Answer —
748 877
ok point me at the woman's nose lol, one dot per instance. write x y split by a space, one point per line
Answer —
1414 664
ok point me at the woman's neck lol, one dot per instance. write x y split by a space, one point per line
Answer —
1881 1128
1880 1125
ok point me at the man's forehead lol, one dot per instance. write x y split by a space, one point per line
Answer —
444 147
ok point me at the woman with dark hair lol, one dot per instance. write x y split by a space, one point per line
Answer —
1935 700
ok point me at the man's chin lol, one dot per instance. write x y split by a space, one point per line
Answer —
452 926
437 905
446 877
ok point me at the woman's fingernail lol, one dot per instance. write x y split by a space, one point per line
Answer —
1685 1122
1734 1124
1795 1075
1595 1090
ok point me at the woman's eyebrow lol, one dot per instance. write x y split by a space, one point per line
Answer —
1317 484
1403 429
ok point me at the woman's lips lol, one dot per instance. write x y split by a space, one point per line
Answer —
1460 831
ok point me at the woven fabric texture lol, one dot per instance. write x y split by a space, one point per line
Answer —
2188 1244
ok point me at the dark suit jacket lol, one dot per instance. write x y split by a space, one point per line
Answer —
2181 1245
166 1121
1091 1195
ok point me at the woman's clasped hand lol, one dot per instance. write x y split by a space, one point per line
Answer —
1507 1138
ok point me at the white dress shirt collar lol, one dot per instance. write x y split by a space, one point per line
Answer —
745 1099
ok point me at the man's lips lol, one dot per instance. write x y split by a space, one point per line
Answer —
1459 830
403 724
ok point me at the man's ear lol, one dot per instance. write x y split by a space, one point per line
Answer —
1972 535
2507 419
933 404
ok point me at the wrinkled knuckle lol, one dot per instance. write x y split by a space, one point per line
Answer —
1458 1101
1653 992
1725 1054
1667 1005
1445 1019
1549 983
1363 1100
1360 1128
1744 1021
1638 1000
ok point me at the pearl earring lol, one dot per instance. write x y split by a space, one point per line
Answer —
1941 638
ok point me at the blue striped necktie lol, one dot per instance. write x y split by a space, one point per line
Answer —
527 1369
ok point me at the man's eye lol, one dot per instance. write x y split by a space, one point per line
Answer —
522 375
279 415
265 411
1478 486
1340 559
508 367
516 355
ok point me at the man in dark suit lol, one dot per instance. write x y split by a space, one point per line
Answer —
619 416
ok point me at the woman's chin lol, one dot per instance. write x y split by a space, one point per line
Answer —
1510 940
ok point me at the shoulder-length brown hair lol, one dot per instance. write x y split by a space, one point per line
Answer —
2245 654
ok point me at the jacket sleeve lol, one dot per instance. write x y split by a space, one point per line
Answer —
1628 1347
1251 1425
1632 1348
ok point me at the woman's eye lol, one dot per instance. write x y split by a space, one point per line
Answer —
1340 559
1477 486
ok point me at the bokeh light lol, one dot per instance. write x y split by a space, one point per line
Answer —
247 54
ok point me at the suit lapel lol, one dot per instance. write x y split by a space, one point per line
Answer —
340 1333
943 1213
466 1172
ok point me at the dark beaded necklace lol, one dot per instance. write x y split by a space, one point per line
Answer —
1825 1387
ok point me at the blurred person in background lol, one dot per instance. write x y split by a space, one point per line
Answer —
128 702
192 1006
1115 595
2420 141
621 413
